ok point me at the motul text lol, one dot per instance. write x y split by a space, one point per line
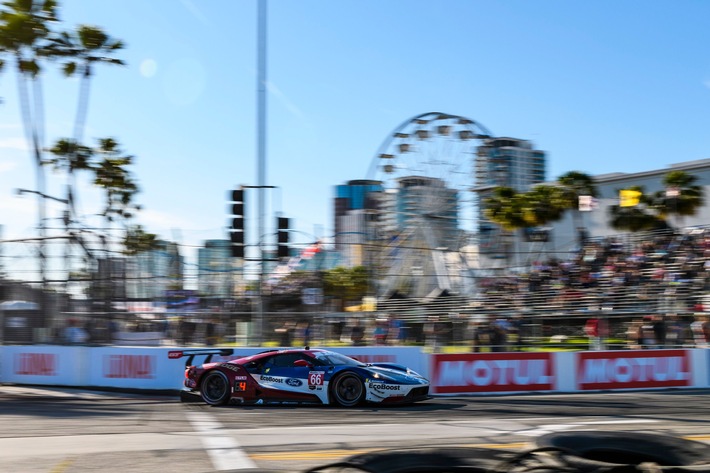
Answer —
36 364
129 366
467 373
619 370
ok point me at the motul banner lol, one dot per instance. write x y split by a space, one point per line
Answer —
492 372
633 369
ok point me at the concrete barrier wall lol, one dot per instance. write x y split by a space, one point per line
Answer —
450 374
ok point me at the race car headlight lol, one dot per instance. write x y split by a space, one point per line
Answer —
382 377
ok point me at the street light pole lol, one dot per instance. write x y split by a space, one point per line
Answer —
261 150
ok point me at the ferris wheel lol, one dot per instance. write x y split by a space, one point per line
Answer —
427 210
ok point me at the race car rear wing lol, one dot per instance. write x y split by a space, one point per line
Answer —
190 354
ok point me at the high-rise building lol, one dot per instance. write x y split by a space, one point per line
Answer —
151 273
215 271
353 200
504 162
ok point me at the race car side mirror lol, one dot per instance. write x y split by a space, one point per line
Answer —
302 363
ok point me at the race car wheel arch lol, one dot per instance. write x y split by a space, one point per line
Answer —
347 389
214 388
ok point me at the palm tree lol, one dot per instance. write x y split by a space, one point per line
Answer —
81 50
112 175
543 204
505 208
634 218
681 197
137 240
84 48
24 30
575 184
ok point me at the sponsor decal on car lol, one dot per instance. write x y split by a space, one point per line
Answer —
271 379
384 387
294 382
315 378
230 366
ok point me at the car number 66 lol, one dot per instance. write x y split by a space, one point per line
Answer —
315 378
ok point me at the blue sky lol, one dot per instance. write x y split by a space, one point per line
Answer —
603 86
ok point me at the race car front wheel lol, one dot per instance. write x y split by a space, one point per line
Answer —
215 388
348 390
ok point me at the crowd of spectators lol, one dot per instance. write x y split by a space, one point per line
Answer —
631 274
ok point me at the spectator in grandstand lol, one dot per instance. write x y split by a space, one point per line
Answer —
632 334
676 331
435 332
659 330
499 335
381 331
74 333
647 333
515 332
591 330
701 330
303 332
480 334
285 334
357 334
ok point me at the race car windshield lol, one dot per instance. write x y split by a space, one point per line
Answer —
336 359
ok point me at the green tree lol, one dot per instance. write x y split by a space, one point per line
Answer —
137 240
81 50
634 218
542 205
575 184
25 26
682 197
505 208
112 175
346 284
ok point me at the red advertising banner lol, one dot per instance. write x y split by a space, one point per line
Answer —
35 364
633 369
492 372
129 366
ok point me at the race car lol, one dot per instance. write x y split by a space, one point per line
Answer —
299 376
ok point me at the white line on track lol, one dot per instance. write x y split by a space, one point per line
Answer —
224 452
551 428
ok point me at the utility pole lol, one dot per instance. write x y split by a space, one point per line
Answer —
261 156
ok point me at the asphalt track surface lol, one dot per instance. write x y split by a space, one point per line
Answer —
62 430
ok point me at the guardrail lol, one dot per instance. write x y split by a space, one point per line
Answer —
148 368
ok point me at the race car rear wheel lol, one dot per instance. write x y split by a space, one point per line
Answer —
347 390
215 388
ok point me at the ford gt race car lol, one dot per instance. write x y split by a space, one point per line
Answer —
299 376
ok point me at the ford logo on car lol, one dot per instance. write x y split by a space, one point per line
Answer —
294 382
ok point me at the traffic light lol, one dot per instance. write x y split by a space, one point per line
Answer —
236 232
282 238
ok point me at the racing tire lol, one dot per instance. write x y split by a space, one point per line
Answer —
215 388
628 447
347 390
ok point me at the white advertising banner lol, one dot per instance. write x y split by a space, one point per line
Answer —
44 364
136 368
